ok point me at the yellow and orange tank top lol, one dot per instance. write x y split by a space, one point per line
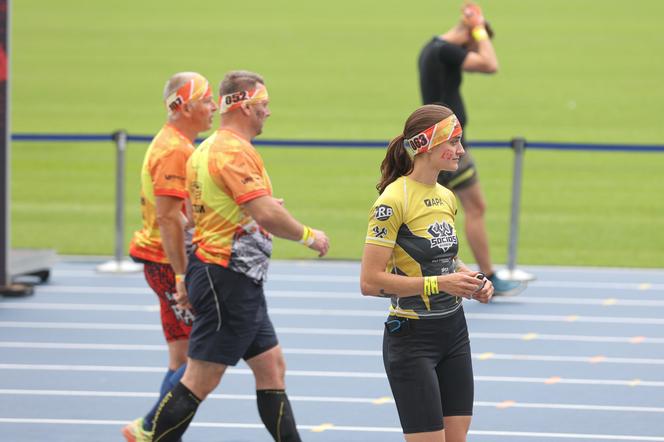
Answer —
224 173
163 174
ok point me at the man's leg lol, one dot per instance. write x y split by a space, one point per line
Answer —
177 363
274 408
474 207
177 409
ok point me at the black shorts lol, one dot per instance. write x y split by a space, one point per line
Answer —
465 176
231 315
428 364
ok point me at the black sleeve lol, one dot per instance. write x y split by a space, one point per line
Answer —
452 54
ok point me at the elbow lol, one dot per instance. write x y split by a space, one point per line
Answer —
164 219
366 289
263 218
492 68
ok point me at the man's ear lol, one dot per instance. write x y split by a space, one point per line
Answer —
186 109
244 107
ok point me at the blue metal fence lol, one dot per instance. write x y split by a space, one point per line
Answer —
353 143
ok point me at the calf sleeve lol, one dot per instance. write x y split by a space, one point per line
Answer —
174 414
277 415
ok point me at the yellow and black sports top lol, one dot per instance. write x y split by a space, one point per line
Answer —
416 221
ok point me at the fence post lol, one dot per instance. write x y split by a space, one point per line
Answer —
512 273
119 263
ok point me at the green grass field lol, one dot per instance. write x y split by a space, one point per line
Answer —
585 71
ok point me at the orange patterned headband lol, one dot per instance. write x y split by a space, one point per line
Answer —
234 100
194 89
440 132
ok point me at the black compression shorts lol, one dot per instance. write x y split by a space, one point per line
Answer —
231 315
428 364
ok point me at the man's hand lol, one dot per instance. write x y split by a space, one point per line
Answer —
321 242
181 296
472 15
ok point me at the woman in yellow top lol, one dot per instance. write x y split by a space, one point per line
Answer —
410 256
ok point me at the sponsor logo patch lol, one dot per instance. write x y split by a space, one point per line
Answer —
442 235
383 212
379 232
431 202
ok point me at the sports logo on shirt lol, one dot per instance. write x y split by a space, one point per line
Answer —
430 202
442 235
379 232
383 212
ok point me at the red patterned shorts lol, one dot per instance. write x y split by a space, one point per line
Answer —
175 321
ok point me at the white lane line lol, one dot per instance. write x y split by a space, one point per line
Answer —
336 332
378 312
331 374
355 295
613 302
337 352
78 326
332 427
326 399
328 277
79 307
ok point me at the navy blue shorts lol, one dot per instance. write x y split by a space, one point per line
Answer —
231 315
428 364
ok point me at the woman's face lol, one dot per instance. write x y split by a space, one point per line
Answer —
446 156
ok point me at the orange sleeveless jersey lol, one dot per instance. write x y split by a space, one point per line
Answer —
225 172
163 174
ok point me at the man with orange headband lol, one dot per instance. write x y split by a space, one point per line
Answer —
160 244
235 216
465 47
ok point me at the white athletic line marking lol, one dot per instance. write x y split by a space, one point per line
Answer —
334 352
305 294
380 313
79 307
327 374
326 399
336 332
508 434
328 277
79 325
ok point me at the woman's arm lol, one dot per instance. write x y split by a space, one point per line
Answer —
375 281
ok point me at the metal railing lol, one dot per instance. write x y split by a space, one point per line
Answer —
519 145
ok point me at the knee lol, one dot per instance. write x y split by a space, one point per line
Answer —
201 383
272 375
475 208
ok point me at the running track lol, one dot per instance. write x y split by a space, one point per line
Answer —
578 356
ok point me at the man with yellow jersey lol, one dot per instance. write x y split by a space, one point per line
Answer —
235 216
410 256
160 244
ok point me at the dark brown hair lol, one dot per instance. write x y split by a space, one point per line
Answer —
397 161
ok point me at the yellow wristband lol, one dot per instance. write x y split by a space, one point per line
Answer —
307 236
179 277
430 285
479 33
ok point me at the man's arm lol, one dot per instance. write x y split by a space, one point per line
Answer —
170 220
274 218
484 60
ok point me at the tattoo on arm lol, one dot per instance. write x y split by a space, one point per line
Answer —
383 294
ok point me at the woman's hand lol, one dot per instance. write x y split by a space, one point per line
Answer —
465 285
